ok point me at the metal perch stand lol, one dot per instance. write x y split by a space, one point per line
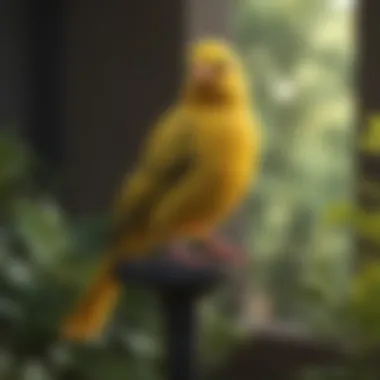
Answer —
179 288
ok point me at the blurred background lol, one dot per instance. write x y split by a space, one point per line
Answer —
301 57
80 84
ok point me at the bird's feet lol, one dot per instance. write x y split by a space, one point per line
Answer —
220 249
215 249
180 253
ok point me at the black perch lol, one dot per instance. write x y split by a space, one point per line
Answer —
179 288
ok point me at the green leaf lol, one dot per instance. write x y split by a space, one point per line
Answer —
16 160
43 227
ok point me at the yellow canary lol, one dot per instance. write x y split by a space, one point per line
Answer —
196 165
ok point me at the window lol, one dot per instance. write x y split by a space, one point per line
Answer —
300 55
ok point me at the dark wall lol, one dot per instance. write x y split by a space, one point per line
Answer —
13 64
368 79
31 67
46 22
84 80
123 70
124 63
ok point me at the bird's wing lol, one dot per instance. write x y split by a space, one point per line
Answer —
215 182
165 159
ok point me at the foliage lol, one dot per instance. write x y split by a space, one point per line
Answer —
300 55
359 319
46 259
364 311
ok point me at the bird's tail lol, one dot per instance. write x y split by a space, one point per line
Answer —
93 311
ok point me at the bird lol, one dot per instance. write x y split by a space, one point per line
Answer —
195 166
370 139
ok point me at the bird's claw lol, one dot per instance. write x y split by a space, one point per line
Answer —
184 256
225 251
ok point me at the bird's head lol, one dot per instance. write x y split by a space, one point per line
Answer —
214 73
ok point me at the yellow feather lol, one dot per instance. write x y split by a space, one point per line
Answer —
195 167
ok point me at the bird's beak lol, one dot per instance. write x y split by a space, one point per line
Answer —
203 73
